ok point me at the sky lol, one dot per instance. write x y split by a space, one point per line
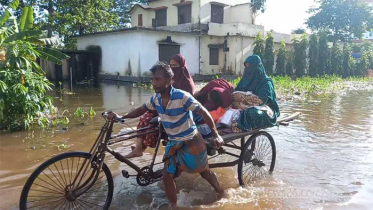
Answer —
283 16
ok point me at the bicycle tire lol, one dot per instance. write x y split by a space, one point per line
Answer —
47 164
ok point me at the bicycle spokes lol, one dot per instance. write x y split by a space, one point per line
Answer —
54 187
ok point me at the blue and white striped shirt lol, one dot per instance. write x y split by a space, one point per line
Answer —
177 118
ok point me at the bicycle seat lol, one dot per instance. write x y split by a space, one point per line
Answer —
155 121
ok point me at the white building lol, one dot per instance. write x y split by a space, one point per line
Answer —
214 36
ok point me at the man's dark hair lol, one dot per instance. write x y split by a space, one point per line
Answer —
215 96
164 67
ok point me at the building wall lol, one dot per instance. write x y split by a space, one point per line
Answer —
206 68
216 29
134 52
238 14
172 11
231 62
147 17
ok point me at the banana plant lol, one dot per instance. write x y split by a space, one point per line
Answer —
23 85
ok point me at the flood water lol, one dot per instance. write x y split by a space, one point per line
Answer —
324 159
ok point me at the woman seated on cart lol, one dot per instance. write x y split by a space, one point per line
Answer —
216 94
261 88
186 149
181 80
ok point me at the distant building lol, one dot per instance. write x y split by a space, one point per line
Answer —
214 36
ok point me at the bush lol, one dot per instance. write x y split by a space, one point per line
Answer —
269 55
300 56
313 55
23 85
281 59
259 45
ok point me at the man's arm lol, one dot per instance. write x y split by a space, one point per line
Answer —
148 106
136 113
210 122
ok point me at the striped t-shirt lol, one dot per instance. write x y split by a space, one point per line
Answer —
177 118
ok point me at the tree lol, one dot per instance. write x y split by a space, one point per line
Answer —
336 60
363 64
313 55
346 61
323 54
121 9
23 84
70 18
259 45
256 7
300 55
298 31
269 55
289 64
281 59
342 19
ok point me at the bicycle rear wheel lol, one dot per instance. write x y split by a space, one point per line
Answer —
50 185
257 159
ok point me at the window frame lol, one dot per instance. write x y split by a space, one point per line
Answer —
213 62
179 11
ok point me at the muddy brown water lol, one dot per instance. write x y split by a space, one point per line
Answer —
324 159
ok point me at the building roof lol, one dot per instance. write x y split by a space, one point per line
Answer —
145 7
236 5
219 3
139 29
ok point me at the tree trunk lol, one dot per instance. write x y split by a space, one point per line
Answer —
253 16
50 11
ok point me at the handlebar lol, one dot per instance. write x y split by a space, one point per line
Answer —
117 119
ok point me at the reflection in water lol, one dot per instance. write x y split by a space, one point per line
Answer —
324 159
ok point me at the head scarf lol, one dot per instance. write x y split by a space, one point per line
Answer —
182 78
253 76
253 80
225 90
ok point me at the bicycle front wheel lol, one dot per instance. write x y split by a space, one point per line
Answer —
51 185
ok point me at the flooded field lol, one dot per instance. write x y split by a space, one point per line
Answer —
324 159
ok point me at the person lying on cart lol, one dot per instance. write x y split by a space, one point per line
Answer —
186 149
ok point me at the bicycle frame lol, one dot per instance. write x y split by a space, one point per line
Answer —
100 147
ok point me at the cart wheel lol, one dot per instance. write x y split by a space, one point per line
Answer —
50 185
257 159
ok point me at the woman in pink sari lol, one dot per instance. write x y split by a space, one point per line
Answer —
183 81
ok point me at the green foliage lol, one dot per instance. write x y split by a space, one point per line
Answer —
313 55
281 59
363 64
307 86
298 31
341 18
346 66
289 68
79 17
353 66
300 56
121 8
336 60
92 112
323 54
259 45
60 147
23 99
269 55
79 113
258 5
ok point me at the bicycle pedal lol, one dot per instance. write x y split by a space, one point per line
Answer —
125 174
